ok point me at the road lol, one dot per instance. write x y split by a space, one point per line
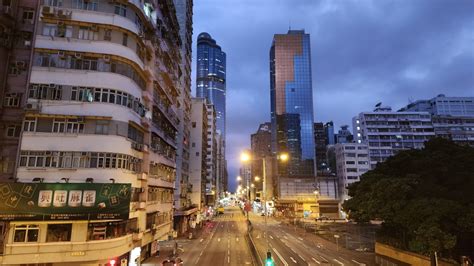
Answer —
221 242
290 246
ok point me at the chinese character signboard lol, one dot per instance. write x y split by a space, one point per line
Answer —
64 201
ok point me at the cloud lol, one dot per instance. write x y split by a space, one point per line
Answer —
363 52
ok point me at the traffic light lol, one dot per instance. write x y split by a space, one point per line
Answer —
269 261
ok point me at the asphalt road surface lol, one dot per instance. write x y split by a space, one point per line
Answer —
292 246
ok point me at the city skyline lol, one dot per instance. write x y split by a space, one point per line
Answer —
349 78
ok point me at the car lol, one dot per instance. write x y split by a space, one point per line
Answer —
172 262
322 218
220 210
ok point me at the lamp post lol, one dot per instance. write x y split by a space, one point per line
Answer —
282 157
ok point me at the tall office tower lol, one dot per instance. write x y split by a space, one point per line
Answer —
197 162
17 24
184 209
260 143
96 166
292 102
387 132
320 140
211 84
211 76
442 105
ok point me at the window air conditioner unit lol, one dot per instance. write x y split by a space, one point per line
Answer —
95 27
52 85
47 10
32 106
78 55
61 24
20 64
61 54
106 58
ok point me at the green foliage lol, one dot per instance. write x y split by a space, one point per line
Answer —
424 197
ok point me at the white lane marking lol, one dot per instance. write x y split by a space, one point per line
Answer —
201 253
228 252
315 260
301 257
293 260
326 260
280 257
237 239
300 238
201 240
271 237
218 240
285 237
338 261
361 264
292 250
228 260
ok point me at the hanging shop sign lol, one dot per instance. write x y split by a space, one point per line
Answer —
64 201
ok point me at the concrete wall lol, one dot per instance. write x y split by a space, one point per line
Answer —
401 257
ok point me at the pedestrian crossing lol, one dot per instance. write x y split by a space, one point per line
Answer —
230 217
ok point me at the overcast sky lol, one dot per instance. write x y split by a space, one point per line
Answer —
363 52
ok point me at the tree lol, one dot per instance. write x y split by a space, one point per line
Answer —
425 198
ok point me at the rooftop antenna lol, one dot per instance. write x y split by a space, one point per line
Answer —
289 24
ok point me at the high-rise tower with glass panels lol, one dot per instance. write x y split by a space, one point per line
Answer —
211 75
292 102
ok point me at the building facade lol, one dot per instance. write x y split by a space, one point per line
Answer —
198 150
101 120
320 141
291 98
211 84
211 155
185 211
352 160
443 105
459 129
387 132
260 145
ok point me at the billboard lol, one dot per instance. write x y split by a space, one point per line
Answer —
64 201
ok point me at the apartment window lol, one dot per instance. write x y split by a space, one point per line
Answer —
102 127
80 93
350 162
197 153
49 29
26 233
14 70
107 35
193 144
150 219
29 125
121 10
45 91
124 39
59 232
59 125
57 3
12 99
135 134
13 131
28 16
75 126
86 33
352 170
86 4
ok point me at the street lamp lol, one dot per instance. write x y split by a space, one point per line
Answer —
244 157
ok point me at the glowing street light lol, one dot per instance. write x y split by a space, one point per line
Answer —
257 178
283 157
239 178
245 157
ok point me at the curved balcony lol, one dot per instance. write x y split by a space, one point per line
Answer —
104 18
78 142
66 251
100 47
44 75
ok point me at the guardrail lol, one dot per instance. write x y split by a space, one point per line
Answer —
255 255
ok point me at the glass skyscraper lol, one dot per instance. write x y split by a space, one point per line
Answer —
292 102
210 76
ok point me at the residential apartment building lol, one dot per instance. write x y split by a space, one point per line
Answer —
459 129
211 155
198 152
387 132
352 160
97 162
17 26
443 105
185 211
